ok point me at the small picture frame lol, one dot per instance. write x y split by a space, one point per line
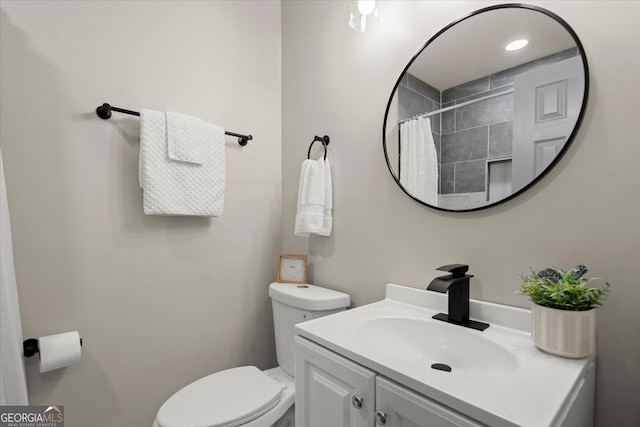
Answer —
292 268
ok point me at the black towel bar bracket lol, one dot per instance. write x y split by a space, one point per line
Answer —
104 112
324 140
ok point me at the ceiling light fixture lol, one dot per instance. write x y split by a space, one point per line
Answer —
516 44
363 15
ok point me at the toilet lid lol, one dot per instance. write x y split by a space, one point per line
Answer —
227 398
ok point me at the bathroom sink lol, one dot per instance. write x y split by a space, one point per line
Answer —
427 342
497 376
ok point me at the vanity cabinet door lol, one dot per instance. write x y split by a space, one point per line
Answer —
331 390
398 406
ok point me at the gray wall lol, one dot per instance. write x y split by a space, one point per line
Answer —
380 235
160 301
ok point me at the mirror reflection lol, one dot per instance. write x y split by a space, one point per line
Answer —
485 108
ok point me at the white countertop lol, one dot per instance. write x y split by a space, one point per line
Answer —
532 390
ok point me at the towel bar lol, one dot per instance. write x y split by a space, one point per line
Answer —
104 112
325 141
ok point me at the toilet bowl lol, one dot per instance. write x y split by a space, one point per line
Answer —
243 396
246 396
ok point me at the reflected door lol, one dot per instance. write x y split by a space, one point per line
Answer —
547 103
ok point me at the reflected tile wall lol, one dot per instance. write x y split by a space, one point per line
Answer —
473 133
483 113
423 88
447 178
500 139
412 103
489 121
470 144
416 97
470 176
469 135
464 90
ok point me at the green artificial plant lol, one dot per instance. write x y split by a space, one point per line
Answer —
563 290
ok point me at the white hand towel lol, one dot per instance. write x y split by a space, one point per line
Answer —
327 224
173 187
187 137
311 198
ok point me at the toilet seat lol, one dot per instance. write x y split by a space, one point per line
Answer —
225 399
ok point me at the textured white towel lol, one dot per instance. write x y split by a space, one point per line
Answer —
311 198
327 223
315 199
174 187
187 137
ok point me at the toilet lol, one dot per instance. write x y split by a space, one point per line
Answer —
246 396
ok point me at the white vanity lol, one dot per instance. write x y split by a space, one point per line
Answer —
389 363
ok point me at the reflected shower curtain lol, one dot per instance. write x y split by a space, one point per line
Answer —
419 160
13 385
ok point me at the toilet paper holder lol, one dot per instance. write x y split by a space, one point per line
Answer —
30 347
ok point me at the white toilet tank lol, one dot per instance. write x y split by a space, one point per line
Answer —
294 303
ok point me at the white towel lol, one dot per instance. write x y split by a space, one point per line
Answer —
187 137
327 223
314 199
174 187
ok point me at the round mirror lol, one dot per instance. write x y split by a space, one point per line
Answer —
486 108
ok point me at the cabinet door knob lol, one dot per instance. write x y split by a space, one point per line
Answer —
357 401
381 418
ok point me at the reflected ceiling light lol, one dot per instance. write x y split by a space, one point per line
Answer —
363 15
516 44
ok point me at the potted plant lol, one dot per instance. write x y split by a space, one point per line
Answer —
563 314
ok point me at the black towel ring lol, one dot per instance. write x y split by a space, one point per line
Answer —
325 142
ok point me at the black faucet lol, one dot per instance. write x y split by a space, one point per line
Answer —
457 283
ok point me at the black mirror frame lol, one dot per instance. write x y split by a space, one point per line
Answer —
570 139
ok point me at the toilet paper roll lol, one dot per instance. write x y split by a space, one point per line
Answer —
58 351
